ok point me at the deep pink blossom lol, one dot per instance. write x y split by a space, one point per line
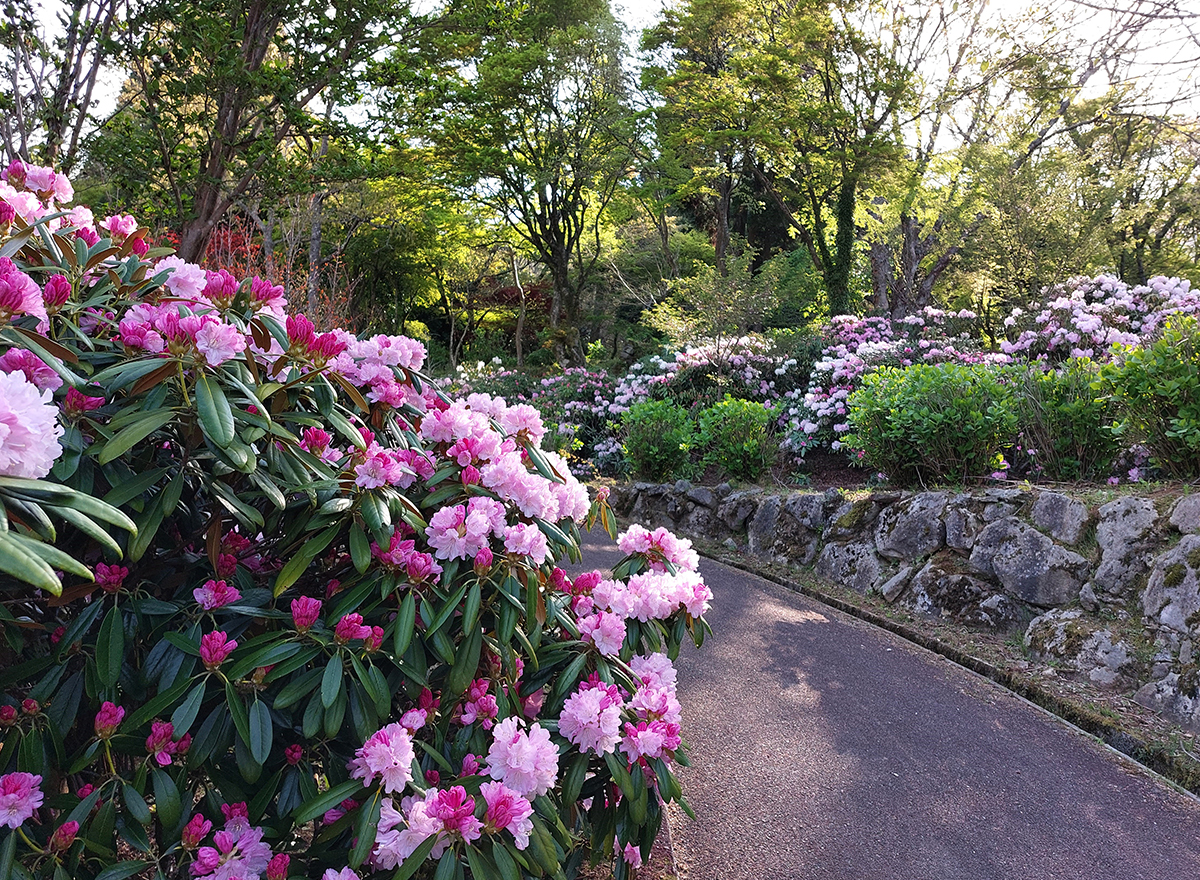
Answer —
305 611
277 868
351 627
35 369
195 831
216 594
215 648
107 719
508 811
63 837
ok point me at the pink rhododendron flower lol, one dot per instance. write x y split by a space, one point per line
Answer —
351 627
605 630
219 342
525 762
56 293
110 577
160 743
461 531
235 853
388 754
35 369
215 648
528 541
591 718
76 404
267 298
29 428
186 281
455 809
480 705
20 796
394 843
632 855
277 868
119 226
215 594
508 811
344 874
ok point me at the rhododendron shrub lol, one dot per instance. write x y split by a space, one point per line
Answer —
273 605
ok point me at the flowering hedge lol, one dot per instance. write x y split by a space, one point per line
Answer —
273 605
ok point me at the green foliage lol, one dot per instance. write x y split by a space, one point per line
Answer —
736 437
933 423
1158 389
658 439
1065 425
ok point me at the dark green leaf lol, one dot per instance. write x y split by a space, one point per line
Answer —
110 648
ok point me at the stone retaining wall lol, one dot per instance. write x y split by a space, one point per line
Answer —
1064 570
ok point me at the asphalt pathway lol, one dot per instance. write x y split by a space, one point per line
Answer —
823 747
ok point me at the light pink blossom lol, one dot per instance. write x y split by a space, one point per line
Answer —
526 762
29 428
388 754
20 796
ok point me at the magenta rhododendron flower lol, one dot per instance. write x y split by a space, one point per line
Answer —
160 743
29 428
20 796
388 754
455 809
107 719
215 594
526 762
215 647
480 705
195 831
63 837
351 627
507 811
305 611
35 369
110 577
277 868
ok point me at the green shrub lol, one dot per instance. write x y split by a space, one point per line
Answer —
933 423
736 437
1158 390
1065 425
658 437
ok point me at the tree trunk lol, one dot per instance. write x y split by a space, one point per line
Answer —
837 279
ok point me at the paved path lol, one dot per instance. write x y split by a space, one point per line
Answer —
823 747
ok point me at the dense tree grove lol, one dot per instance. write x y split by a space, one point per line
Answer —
528 180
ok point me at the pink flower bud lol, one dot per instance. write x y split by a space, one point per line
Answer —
195 831
7 214
159 743
483 561
63 837
304 612
374 640
56 293
351 627
8 716
294 754
277 868
215 647
30 707
107 719
471 476
432 777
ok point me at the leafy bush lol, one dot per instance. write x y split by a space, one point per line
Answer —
933 423
291 594
658 437
1158 389
736 437
1065 425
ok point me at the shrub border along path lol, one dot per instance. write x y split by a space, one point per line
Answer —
1174 765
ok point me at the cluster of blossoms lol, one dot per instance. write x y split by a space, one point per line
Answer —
274 468
819 414
1085 317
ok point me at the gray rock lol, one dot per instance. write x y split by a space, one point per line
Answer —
852 519
703 496
1011 496
1062 518
1173 697
997 511
682 487
798 528
701 522
895 585
738 507
1185 516
806 509
1126 534
941 588
1080 644
1171 600
760 533
1029 566
912 528
852 565
962 528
